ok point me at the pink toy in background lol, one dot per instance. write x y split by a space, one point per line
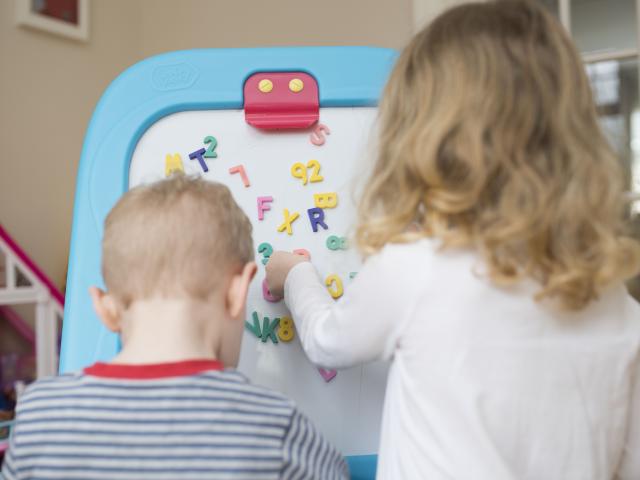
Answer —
13 366
23 282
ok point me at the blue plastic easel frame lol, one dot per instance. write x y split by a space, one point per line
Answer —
207 79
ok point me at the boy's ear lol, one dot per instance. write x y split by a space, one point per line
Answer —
239 288
106 308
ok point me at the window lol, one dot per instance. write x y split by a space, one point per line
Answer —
606 33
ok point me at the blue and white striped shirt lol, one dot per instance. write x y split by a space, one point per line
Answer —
209 424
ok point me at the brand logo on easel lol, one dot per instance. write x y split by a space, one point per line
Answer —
174 77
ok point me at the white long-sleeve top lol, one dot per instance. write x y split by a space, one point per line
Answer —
485 382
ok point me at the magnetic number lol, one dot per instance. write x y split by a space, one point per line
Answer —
299 170
337 243
211 150
285 332
338 290
315 174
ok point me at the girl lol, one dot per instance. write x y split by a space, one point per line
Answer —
493 221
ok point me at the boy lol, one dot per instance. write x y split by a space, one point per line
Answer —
177 263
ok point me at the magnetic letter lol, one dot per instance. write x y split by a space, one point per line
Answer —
199 155
243 175
316 217
255 328
288 220
263 206
268 329
325 200
172 164
317 137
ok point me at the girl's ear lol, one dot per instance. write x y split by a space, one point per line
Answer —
106 308
239 289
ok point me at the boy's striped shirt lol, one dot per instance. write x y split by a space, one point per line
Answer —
187 420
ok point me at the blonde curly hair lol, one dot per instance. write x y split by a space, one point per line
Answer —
489 137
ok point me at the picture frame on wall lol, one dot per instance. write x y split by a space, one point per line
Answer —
67 18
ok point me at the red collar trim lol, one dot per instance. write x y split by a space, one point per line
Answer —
152 370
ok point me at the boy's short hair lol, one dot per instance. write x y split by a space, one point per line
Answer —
174 238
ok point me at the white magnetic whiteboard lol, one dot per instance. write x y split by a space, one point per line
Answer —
348 409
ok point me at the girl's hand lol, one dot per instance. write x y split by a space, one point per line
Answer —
277 269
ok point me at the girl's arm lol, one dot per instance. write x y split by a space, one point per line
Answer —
630 465
361 326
